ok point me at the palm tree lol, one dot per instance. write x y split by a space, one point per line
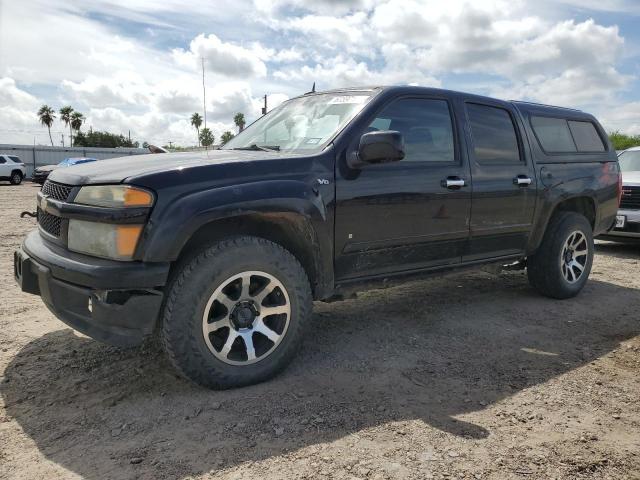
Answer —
47 115
206 137
65 116
196 121
239 121
77 119
226 136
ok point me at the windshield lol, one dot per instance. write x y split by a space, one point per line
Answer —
302 124
65 162
630 161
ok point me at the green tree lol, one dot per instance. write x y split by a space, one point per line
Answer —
621 141
47 115
226 136
196 121
239 121
77 119
65 116
95 138
206 137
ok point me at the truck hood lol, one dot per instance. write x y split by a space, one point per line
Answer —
117 170
631 178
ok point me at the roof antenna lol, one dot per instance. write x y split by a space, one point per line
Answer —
313 89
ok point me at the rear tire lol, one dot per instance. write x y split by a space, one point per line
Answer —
235 313
561 266
16 178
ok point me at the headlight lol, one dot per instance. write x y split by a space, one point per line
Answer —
105 240
114 196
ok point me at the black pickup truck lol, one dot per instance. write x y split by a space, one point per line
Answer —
222 252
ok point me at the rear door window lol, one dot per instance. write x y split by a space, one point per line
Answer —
586 136
494 135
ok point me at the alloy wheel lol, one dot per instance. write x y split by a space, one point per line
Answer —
246 318
574 256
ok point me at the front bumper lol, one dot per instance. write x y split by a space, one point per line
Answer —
40 177
115 302
631 228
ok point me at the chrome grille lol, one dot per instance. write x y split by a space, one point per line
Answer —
630 198
57 191
49 223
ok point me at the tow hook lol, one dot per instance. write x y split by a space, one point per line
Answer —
28 214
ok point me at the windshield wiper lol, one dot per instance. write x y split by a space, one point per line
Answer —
263 148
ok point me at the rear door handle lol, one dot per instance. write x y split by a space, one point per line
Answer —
522 181
453 183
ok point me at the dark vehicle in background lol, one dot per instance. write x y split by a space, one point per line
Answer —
40 174
12 169
222 252
628 219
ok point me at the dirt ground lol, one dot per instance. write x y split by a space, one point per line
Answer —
469 376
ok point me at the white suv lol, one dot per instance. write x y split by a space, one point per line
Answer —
12 169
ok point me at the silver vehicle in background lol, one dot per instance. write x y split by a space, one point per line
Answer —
628 218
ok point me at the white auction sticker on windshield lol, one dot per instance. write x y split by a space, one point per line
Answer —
354 99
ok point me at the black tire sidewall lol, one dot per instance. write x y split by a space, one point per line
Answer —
545 270
196 283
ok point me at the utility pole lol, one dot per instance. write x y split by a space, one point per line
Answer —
204 95
264 109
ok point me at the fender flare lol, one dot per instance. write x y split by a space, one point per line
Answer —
540 226
167 234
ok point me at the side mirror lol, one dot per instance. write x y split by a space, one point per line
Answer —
378 147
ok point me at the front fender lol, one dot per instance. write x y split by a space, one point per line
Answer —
169 230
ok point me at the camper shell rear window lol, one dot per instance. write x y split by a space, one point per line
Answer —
557 135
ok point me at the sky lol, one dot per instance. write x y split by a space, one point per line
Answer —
135 65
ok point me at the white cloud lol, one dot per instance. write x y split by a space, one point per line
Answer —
572 88
222 58
123 88
621 6
345 72
334 7
624 118
12 96
17 112
349 33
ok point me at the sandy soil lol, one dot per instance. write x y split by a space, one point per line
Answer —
470 376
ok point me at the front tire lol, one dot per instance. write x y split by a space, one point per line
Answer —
561 266
235 313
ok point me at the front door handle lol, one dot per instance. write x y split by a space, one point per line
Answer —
522 181
453 183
